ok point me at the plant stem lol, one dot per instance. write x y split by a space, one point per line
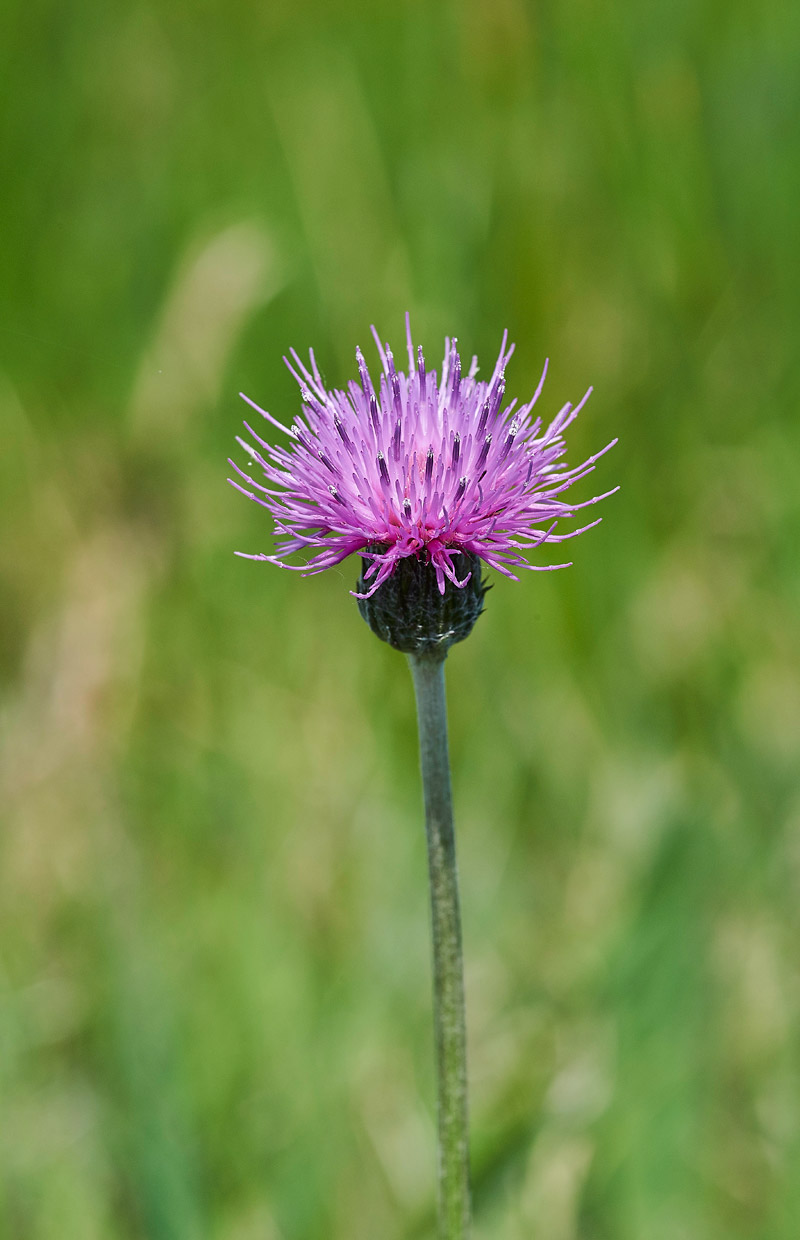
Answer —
448 969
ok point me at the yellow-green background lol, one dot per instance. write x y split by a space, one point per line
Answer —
214 977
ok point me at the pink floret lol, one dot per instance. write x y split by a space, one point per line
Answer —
421 465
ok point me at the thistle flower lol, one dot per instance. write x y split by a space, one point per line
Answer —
428 478
435 468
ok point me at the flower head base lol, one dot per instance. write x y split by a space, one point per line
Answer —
410 612
418 465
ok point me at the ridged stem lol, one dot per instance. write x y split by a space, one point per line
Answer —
448 971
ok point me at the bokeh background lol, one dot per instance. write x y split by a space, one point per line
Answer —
214 975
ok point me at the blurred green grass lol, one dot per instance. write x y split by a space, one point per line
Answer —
214 976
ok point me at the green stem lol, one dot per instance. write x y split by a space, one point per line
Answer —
448 970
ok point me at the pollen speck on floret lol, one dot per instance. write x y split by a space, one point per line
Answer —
425 465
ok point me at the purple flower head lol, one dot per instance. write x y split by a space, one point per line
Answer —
438 468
